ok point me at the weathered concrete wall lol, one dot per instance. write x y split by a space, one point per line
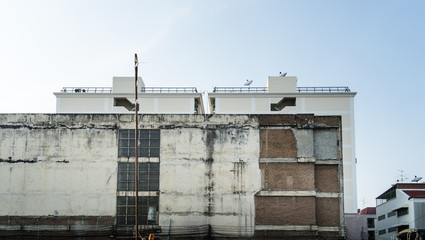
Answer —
326 144
209 175
61 165
66 165
240 174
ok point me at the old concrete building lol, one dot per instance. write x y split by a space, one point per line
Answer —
250 176
281 95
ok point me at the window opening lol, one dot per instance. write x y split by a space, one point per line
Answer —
149 142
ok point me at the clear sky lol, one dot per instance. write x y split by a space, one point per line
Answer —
377 48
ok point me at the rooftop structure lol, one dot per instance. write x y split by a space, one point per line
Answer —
169 100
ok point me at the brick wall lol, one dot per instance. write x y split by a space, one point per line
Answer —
288 176
299 162
328 212
326 178
285 211
278 143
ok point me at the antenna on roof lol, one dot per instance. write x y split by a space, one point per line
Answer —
402 177
282 74
416 179
248 82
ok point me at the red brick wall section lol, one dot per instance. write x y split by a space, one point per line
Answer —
328 212
278 143
277 120
288 176
285 211
326 177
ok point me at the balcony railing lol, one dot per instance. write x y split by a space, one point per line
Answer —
168 90
87 89
265 90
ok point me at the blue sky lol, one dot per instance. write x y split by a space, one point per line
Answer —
374 47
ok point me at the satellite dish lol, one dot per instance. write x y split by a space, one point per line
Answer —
248 82
416 179
282 74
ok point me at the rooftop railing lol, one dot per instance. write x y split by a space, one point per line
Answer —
265 90
143 90
168 90
323 89
239 89
194 90
87 89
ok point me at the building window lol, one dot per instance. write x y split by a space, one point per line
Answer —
390 214
392 229
382 232
382 217
370 223
148 176
402 211
371 235
148 210
402 227
149 141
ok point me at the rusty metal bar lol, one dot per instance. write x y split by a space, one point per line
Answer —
136 151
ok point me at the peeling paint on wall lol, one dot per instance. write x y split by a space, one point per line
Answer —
212 168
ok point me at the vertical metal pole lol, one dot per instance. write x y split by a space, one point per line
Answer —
136 151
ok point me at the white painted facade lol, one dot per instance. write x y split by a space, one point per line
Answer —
151 100
258 101
388 220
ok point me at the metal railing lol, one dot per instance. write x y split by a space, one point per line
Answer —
143 90
239 89
323 89
194 90
87 89
265 90
168 90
